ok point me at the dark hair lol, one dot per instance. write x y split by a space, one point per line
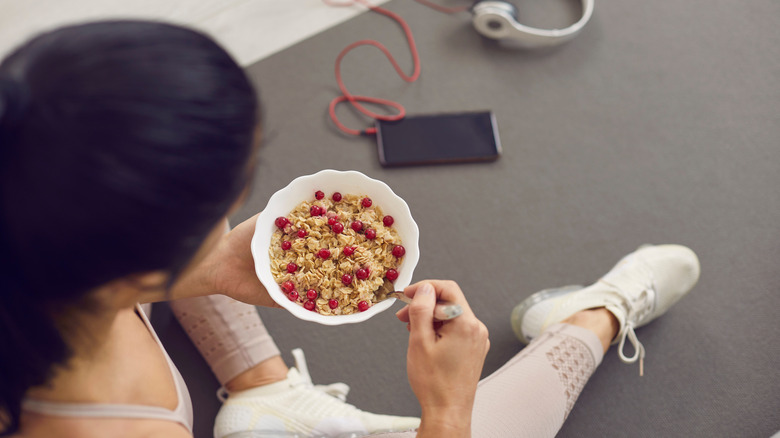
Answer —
122 144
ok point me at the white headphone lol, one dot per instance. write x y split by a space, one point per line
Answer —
498 20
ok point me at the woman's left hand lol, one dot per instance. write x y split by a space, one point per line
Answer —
234 267
229 269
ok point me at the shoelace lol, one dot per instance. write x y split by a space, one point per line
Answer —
628 330
639 349
636 310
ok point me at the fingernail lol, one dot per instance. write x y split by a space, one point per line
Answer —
425 289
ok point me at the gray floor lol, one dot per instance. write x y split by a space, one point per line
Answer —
660 123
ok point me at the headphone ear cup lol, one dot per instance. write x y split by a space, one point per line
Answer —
493 18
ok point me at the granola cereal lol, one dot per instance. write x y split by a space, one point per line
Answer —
336 255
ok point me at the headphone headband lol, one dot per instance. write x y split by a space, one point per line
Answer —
498 20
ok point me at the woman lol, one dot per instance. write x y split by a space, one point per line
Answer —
123 145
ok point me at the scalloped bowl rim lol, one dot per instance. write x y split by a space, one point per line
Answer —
302 188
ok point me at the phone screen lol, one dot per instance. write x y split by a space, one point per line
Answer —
438 138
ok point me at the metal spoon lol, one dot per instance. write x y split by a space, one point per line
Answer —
443 311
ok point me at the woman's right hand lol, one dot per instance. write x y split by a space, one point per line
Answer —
444 360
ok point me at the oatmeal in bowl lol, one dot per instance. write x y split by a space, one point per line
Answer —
329 246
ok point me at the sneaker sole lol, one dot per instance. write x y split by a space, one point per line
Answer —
520 310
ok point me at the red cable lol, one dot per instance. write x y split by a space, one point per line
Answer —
355 100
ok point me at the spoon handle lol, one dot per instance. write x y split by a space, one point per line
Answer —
443 311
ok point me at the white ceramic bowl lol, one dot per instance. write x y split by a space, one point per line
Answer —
329 181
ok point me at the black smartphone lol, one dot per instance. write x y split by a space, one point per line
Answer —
438 138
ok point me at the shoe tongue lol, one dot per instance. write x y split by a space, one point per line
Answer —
294 377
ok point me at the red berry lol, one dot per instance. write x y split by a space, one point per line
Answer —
346 279
336 197
315 210
309 305
319 195
324 253
286 245
362 273
281 221
348 250
333 221
399 251
371 233
288 286
333 304
338 227
302 233
311 294
292 267
391 274
293 295
388 221
366 202
357 226
363 306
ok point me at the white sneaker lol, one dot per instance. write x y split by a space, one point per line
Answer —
640 288
297 408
